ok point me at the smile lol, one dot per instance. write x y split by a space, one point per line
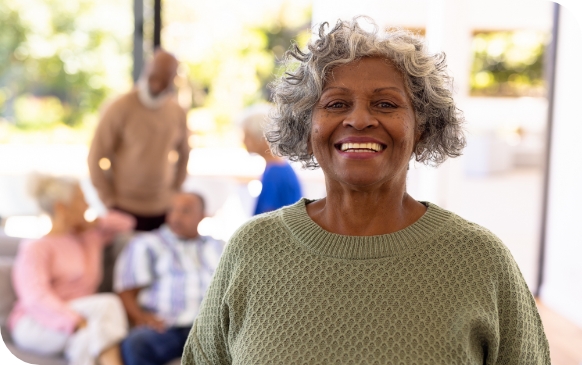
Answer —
361 147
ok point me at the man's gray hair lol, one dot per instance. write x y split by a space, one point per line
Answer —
295 94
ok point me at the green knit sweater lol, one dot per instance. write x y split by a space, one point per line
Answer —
441 291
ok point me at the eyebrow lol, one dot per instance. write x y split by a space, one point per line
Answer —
393 88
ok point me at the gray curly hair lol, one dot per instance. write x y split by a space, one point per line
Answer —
428 85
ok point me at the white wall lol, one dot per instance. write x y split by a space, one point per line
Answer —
479 14
562 288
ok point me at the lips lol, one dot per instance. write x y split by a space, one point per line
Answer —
360 145
370 147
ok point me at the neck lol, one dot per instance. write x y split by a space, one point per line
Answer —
60 226
269 158
365 212
147 99
189 237
184 235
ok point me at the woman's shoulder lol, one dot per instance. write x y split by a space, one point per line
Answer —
258 227
473 239
42 243
251 241
43 246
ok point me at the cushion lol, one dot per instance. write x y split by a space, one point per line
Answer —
8 245
109 256
7 295
30 357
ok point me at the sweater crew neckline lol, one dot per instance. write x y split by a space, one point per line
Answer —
325 243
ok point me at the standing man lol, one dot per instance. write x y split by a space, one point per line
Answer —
161 277
140 151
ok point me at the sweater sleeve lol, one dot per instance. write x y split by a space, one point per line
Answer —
208 341
113 223
31 277
521 334
103 146
183 149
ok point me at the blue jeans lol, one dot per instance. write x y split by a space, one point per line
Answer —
145 346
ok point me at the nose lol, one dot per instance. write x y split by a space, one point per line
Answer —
360 118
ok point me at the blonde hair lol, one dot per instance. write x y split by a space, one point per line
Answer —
48 190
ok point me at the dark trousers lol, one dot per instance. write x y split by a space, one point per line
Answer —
145 223
145 346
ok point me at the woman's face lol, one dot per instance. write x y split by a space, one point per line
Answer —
363 126
76 208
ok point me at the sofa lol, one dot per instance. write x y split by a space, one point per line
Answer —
8 250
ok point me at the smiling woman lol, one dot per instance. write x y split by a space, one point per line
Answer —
367 274
424 78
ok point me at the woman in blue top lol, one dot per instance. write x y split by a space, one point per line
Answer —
280 185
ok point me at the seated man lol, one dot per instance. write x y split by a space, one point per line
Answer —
161 277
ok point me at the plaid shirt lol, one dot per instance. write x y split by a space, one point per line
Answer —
174 273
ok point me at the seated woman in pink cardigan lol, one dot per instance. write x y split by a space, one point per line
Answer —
56 278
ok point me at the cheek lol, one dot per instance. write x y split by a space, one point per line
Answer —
315 129
407 130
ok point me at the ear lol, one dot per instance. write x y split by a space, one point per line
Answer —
309 147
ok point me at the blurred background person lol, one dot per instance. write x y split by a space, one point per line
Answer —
56 278
140 151
280 186
161 277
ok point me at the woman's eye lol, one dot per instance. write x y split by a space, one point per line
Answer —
385 104
336 105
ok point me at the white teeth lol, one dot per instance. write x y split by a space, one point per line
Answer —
361 147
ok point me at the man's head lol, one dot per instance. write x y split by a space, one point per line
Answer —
186 212
252 123
253 134
156 83
162 72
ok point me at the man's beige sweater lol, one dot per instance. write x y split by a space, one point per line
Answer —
442 291
148 152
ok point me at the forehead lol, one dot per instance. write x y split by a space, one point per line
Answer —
163 65
369 71
182 199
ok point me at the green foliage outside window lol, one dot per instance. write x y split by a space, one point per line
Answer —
508 63
60 59
230 61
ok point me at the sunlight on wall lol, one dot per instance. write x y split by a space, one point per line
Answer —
27 226
255 187
226 221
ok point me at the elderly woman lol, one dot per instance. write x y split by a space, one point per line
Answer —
56 277
367 275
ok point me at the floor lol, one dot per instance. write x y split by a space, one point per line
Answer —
564 337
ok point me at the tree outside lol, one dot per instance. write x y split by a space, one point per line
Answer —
231 51
508 63
61 61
